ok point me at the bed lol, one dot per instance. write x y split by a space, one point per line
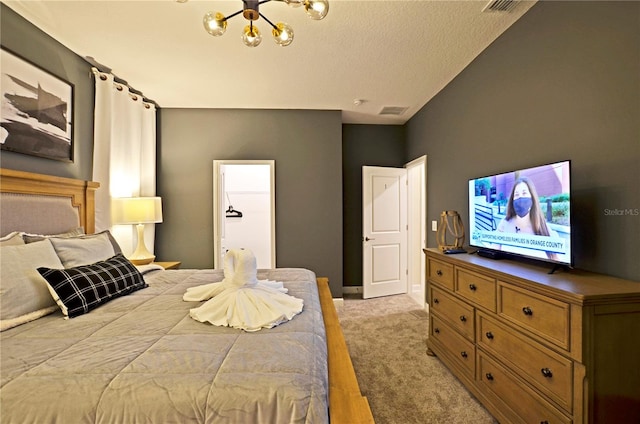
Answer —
141 358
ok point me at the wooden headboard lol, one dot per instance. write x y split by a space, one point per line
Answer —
79 193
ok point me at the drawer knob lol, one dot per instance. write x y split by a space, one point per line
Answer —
463 318
527 311
489 376
436 301
472 287
546 372
439 273
463 354
489 335
436 330
544 422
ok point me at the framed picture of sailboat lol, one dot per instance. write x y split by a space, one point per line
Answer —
36 110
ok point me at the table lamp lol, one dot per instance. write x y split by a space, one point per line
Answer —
138 211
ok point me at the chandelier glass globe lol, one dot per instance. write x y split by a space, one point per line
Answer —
215 23
282 34
251 36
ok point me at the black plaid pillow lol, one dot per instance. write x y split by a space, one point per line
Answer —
86 287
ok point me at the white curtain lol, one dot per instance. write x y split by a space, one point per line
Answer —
124 154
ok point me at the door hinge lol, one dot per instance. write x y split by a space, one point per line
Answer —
406 271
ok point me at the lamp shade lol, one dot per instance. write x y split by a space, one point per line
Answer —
136 210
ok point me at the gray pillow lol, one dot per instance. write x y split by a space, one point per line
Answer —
24 295
12 239
86 249
31 238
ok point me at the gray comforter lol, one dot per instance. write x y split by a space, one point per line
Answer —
141 358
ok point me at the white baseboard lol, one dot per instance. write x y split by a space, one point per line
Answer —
352 289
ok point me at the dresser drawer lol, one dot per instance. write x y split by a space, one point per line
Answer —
548 371
455 312
542 315
476 288
441 273
461 350
521 399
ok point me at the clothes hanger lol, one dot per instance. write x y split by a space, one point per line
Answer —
230 212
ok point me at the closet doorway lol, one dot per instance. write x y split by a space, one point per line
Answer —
244 209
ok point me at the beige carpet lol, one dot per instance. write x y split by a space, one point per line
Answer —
387 342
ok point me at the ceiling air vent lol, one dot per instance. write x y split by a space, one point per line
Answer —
393 110
500 6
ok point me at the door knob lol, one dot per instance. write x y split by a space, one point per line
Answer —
367 239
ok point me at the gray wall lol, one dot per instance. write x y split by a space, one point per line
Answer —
562 83
22 38
363 145
307 149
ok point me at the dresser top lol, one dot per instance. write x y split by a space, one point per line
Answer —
581 286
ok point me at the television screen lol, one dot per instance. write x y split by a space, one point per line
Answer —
524 212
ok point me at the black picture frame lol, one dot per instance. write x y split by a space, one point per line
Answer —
36 115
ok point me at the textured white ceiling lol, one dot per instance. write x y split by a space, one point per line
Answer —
397 53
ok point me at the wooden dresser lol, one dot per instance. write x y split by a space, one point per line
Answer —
535 347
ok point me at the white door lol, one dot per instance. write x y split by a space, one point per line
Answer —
384 235
416 236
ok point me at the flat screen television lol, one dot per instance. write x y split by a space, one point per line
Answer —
526 213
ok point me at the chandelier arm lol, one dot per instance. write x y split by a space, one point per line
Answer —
233 14
268 21
262 2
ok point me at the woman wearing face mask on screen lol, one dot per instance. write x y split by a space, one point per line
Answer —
524 215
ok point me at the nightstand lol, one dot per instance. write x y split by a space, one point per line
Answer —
169 265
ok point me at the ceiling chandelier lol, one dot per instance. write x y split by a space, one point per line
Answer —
215 23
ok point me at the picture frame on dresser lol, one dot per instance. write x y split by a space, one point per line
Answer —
36 110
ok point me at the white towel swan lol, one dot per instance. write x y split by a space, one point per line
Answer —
240 300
